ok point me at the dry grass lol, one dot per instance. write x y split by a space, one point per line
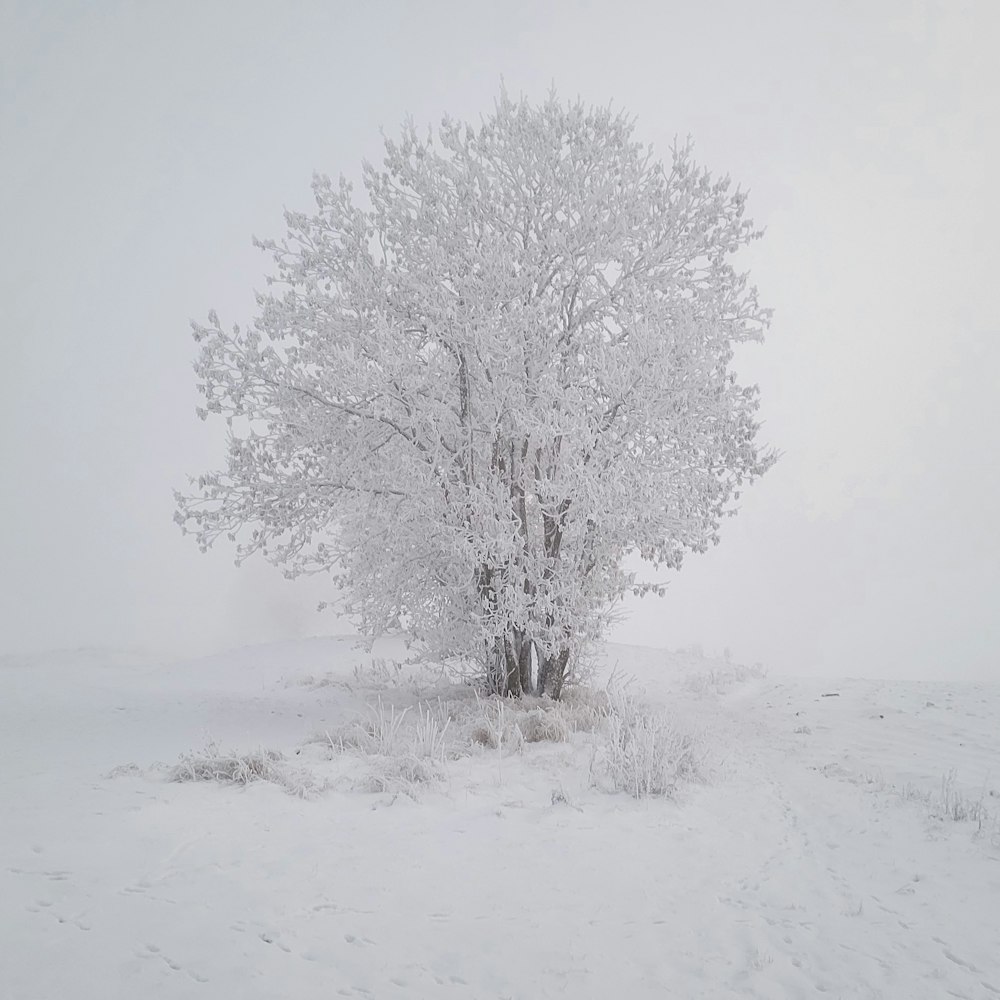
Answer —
232 768
406 750
403 775
948 804
722 679
643 754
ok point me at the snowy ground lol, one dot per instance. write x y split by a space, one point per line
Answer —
820 854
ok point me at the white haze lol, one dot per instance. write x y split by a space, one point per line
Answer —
142 145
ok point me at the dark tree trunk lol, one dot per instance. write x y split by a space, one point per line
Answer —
524 662
552 673
512 675
496 669
508 671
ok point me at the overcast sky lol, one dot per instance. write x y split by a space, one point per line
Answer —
141 146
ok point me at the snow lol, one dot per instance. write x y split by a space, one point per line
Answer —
812 858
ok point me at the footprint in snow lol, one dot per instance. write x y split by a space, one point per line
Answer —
153 951
273 939
360 941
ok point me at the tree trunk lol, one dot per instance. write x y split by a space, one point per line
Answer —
508 671
524 662
552 673
496 669
512 676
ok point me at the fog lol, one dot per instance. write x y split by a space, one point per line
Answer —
142 145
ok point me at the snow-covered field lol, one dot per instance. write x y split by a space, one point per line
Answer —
841 839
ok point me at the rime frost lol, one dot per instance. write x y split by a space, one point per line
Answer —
472 392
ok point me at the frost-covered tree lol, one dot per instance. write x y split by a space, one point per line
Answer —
472 394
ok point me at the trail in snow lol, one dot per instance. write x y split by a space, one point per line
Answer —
844 889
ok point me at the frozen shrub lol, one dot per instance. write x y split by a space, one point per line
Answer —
400 752
540 725
384 730
643 755
238 769
212 764
404 774
952 804
584 709
496 725
429 735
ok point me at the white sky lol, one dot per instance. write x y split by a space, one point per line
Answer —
142 144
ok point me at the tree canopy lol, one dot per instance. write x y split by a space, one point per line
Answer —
471 393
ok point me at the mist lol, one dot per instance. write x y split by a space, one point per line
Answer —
145 145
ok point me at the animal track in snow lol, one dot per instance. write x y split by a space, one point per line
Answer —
360 941
53 875
269 938
153 951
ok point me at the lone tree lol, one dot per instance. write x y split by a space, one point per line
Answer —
472 398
